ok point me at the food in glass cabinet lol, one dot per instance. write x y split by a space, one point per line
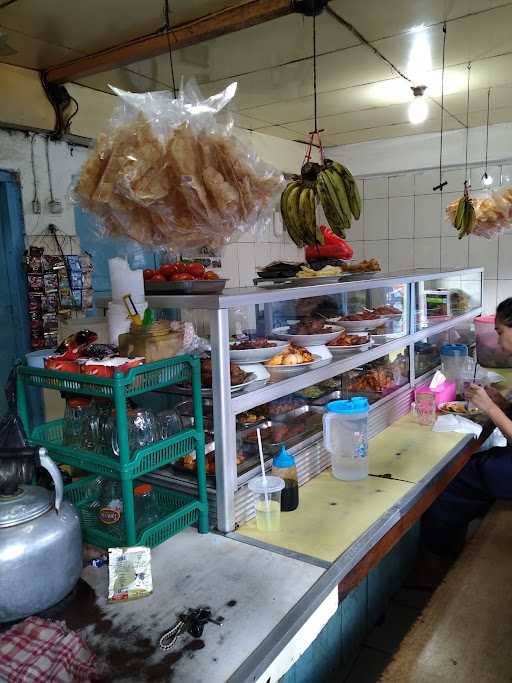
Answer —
387 310
238 376
292 355
260 343
364 315
325 271
189 462
378 379
349 340
312 392
284 405
310 327
250 417
279 269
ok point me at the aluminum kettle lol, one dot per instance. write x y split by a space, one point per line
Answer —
40 538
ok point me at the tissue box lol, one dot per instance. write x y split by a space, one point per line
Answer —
447 391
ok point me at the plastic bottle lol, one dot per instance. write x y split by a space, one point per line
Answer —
346 437
283 466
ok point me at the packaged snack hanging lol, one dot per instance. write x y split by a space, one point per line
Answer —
167 173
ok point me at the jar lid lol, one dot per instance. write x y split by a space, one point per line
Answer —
142 489
454 350
352 406
24 505
269 485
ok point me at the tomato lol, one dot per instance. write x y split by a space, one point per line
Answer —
181 267
177 277
196 269
148 273
168 269
210 275
158 277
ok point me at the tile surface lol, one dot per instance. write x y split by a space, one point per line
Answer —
401 217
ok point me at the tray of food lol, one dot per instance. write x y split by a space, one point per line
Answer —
255 350
373 383
187 466
294 358
288 433
282 406
327 398
182 278
388 311
316 391
348 343
459 408
251 419
309 332
364 321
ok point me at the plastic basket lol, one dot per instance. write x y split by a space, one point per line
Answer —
178 511
141 462
149 377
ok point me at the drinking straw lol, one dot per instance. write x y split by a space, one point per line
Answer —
262 464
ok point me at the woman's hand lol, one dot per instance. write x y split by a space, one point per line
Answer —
480 398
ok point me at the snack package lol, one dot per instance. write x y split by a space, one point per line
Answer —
129 573
167 173
493 212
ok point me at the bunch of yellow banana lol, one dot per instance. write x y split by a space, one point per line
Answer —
298 209
465 218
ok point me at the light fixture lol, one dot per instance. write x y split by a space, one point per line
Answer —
418 109
487 179
420 58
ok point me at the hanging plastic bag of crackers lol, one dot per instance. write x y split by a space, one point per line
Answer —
167 172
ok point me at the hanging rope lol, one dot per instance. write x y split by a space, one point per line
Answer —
466 182
314 71
487 130
441 183
167 17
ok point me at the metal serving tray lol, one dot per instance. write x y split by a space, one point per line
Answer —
185 287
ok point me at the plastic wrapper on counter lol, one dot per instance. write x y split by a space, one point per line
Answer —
167 172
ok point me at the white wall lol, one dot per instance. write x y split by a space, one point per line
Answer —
65 160
403 221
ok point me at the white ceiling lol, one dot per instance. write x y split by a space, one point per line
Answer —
360 96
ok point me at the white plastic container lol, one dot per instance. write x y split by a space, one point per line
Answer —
124 280
346 437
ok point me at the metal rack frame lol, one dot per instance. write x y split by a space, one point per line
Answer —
226 407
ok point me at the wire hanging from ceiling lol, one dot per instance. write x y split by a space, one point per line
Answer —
441 182
466 181
167 17
486 178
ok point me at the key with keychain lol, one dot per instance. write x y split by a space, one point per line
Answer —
192 622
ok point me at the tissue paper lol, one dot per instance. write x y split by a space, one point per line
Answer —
456 423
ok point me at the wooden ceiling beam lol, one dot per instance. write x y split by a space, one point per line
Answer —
204 28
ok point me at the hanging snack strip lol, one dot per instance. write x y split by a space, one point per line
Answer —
51 293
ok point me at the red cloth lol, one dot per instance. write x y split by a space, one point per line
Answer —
40 651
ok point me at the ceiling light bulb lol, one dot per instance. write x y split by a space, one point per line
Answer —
420 57
418 109
487 179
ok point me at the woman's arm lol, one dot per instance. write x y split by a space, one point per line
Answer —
481 399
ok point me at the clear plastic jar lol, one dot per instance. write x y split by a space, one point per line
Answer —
146 506
77 413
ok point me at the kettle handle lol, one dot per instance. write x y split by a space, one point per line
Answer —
55 474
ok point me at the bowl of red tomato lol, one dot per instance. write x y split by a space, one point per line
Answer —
182 277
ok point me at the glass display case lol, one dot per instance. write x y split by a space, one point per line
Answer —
279 355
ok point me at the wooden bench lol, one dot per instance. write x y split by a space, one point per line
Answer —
465 632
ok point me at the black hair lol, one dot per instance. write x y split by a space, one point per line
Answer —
504 312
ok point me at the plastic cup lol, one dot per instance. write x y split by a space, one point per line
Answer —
268 502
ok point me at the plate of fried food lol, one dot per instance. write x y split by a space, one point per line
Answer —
254 350
365 321
347 343
295 358
240 377
388 311
458 408
311 332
